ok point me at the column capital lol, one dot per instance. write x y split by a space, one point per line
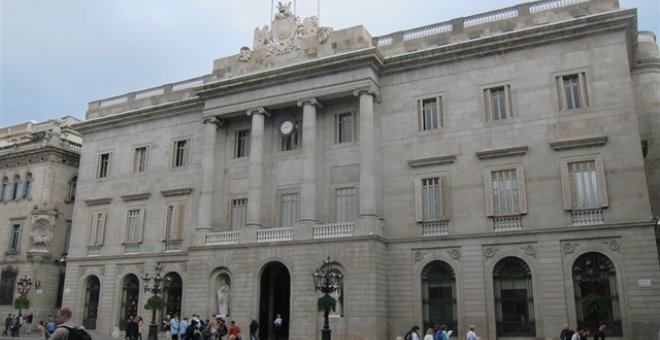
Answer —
311 101
213 120
258 110
370 90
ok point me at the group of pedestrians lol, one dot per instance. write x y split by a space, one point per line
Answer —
582 333
13 324
439 333
197 329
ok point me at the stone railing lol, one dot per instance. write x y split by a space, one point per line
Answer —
131 248
526 15
485 18
506 223
333 230
427 30
75 147
541 6
435 228
646 36
22 147
587 217
173 245
222 238
274 234
93 250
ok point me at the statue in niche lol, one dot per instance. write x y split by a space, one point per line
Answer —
41 234
223 297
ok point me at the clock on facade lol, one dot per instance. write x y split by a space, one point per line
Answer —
287 127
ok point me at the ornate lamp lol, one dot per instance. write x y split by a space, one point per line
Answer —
327 280
155 302
23 287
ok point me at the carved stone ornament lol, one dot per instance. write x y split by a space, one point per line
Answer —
41 234
530 250
490 252
287 31
569 247
418 256
454 254
245 55
614 245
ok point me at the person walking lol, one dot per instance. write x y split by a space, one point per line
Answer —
412 333
7 325
254 328
600 332
277 327
131 329
471 334
63 320
174 328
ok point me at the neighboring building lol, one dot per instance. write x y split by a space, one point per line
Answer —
488 170
38 170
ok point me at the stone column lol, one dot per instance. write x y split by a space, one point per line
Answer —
309 161
256 167
205 210
367 213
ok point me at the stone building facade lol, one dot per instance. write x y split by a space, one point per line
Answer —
38 171
495 170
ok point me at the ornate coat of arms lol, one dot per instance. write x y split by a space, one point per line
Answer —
286 32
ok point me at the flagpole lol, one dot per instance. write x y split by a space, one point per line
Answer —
272 4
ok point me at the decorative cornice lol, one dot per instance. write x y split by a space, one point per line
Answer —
98 201
259 110
46 153
438 160
214 120
176 192
568 144
504 152
136 197
310 101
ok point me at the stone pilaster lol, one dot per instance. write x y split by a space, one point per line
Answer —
309 161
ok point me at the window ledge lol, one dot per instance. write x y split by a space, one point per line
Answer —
504 152
98 201
176 192
12 252
136 197
568 144
438 160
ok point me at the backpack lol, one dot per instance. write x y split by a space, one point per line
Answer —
50 326
408 336
76 333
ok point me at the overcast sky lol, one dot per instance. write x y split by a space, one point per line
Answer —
58 55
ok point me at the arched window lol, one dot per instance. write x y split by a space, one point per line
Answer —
92 294
439 295
596 297
16 184
514 299
4 188
129 299
72 189
7 285
27 186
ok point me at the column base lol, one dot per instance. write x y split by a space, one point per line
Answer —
304 230
369 225
248 234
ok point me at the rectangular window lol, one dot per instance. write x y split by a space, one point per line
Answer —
430 114
292 141
584 185
289 210
180 153
3 190
498 103
344 127
103 165
134 222
7 286
15 238
97 229
174 217
242 144
67 237
505 192
140 159
238 213
431 199
345 201
572 91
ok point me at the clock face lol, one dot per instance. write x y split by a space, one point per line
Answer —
287 127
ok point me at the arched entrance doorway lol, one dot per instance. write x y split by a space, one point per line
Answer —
439 295
274 298
129 299
172 288
90 310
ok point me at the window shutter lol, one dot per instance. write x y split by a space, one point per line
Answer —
583 90
100 230
420 114
507 101
140 231
180 220
487 112
418 200
560 94
92 231
124 230
488 191
565 186
602 186
446 204
522 193
163 234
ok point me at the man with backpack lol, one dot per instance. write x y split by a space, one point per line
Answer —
66 330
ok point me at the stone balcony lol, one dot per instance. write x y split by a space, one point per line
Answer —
319 231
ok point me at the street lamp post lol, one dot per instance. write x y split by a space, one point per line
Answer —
328 280
23 286
154 289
